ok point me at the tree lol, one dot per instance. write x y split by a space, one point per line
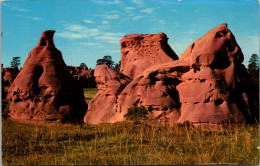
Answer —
253 66
15 63
118 65
106 60
83 65
253 69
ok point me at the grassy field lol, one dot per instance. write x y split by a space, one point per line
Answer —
89 93
127 143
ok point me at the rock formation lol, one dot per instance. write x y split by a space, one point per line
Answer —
215 90
208 84
44 90
140 52
84 76
8 76
103 107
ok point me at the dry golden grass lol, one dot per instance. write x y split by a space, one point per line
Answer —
127 143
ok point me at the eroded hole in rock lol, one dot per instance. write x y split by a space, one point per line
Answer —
43 42
219 35
152 77
221 61
218 101
230 46
192 46
171 81
36 76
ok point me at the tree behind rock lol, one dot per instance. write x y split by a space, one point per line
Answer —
15 63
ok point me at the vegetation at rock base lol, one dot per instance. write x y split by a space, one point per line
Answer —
136 114
127 143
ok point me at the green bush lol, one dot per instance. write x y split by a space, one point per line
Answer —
136 114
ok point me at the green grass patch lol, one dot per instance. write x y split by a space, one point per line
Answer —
89 93
127 143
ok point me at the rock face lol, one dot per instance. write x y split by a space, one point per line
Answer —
44 90
8 76
208 84
139 52
215 90
103 107
84 76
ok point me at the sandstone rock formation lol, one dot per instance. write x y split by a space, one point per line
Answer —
84 76
44 90
211 91
208 84
103 107
140 52
8 76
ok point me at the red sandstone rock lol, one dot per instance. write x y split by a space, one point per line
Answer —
208 84
139 52
103 107
210 91
8 76
44 90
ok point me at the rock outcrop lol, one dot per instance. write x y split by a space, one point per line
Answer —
84 76
8 76
215 90
103 107
208 84
139 52
44 90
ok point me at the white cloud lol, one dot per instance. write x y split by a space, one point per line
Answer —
162 21
112 16
15 8
105 2
31 18
89 44
104 22
89 21
114 51
110 37
179 0
191 31
137 2
129 9
75 31
147 10
137 17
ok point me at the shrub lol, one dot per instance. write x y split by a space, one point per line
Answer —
136 114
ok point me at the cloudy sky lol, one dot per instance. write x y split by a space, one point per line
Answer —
86 30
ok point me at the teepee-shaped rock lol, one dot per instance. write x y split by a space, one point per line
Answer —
44 90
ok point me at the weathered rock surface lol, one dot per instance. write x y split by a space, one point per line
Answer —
8 76
208 84
84 76
44 90
211 91
103 107
139 52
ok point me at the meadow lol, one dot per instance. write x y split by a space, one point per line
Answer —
127 142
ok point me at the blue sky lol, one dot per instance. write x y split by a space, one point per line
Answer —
86 30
